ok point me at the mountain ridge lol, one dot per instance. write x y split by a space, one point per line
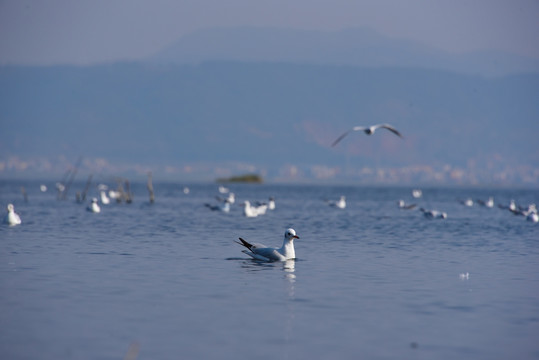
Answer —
352 46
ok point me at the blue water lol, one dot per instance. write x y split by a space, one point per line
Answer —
370 281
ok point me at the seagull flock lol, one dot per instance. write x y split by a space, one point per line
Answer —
260 252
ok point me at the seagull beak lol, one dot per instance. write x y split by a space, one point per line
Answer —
295 237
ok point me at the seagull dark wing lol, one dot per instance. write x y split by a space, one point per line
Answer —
357 128
390 128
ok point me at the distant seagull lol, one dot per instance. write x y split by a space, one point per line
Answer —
511 207
94 206
43 188
489 203
263 253
404 206
271 203
12 218
533 217
224 207
253 211
467 202
368 130
104 198
433 214
231 198
417 193
341 203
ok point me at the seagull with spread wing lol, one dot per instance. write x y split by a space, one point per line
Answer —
369 130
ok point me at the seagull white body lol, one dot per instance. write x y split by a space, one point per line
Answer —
533 217
271 203
104 198
341 203
248 210
263 253
434 214
253 211
12 218
467 202
224 207
94 206
369 130
404 206
489 203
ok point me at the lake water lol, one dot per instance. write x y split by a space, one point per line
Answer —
168 281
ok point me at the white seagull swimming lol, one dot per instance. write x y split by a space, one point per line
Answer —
341 203
489 203
405 206
94 206
263 253
271 203
369 130
433 214
253 211
224 207
12 218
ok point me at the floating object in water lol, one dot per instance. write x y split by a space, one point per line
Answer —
104 198
417 193
224 207
94 206
433 214
271 203
404 206
489 203
340 204
263 253
12 218
467 202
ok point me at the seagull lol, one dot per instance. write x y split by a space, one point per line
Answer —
104 198
368 130
224 207
468 202
489 203
231 198
253 211
341 203
533 217
433 214
94 206
12 218
271 203
264 253
404 206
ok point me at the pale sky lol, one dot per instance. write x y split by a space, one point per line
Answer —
45 32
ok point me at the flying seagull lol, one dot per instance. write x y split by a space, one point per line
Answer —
264 253
368 130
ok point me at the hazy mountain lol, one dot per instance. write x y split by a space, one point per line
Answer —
358 47
267 113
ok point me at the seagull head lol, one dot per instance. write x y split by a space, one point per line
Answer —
11 208
290 234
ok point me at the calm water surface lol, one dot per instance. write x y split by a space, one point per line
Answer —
370 281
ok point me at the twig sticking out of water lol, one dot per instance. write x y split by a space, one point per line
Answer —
85 191
24 194
150 187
